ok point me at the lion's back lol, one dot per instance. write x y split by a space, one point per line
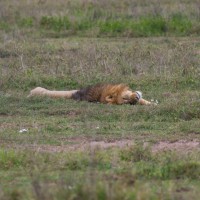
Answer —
99 92
90 93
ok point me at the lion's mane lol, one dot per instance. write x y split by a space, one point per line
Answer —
101 93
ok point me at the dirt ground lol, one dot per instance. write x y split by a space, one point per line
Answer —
82 144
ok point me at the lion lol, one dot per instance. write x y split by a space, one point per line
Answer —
102 93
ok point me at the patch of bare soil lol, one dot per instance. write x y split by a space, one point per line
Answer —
82 144
73 146
180 145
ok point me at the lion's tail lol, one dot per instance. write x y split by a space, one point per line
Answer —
39 91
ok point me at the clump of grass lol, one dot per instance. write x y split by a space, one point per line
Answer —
145 26
179 24
113 26
136 153
26 22
149 26
55 23
5 26
168 168
11 159
121 26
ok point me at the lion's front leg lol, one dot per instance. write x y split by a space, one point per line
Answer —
145 102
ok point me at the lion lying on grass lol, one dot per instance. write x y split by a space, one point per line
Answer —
102 93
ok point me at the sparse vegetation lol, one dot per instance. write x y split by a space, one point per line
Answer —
54 158
122 18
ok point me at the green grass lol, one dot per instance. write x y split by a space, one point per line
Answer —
99 174
74 62
168 71
176 25
95 19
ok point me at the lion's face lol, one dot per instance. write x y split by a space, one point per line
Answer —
125 96
129 97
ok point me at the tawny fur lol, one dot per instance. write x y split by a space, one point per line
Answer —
39 91
103 93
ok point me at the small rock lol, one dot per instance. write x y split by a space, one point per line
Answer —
23 130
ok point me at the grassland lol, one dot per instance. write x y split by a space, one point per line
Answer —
102 18
80 150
